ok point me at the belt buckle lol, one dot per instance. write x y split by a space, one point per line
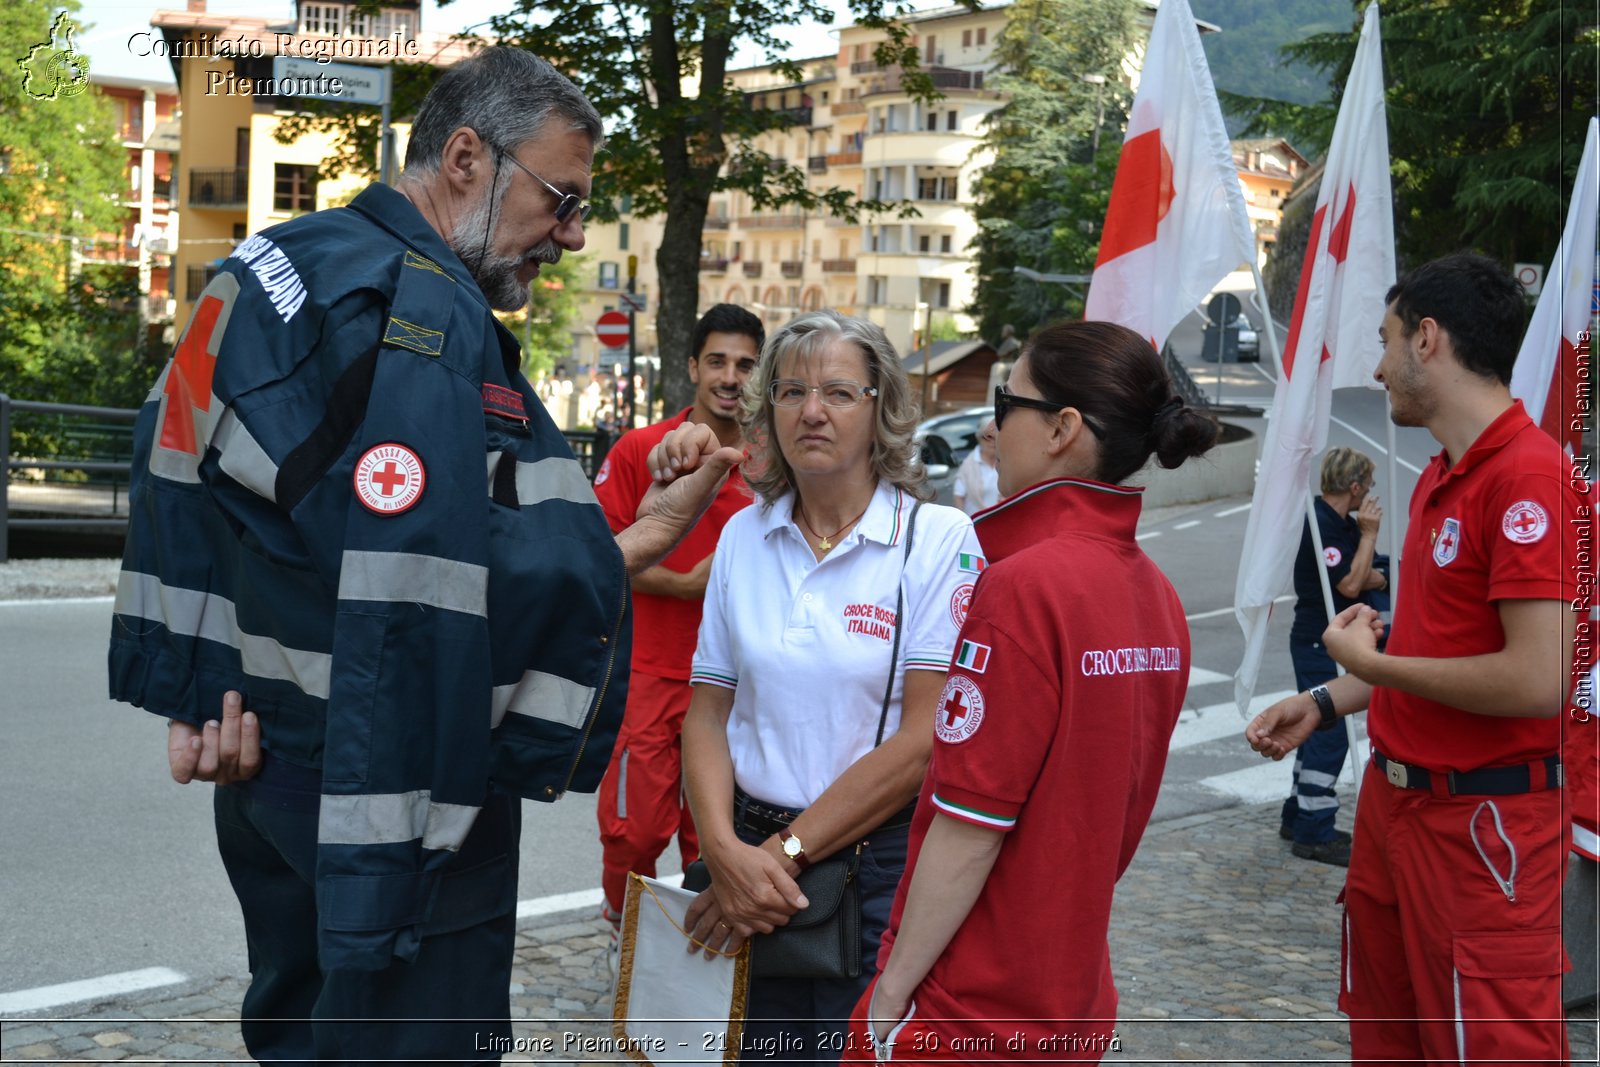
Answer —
1396 773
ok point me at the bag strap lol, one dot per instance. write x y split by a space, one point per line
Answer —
899 605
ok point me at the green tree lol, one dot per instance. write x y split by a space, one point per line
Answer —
60 176
1487 103
1042 202
678 129
545 326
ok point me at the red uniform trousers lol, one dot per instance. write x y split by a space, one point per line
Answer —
641 796
1444 962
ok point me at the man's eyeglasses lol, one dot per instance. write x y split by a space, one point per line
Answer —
1004 400
569 202
789 393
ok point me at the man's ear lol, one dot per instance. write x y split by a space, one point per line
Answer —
464 161
694 370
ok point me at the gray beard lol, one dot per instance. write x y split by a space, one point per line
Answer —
496 275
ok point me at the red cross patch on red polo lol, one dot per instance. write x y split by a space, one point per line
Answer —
1525 522
1447 543
389 479
960 710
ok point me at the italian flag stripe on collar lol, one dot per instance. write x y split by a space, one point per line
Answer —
973 815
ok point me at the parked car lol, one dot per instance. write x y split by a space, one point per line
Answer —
944 442
1249 340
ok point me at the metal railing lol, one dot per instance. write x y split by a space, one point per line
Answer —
76 475
219 187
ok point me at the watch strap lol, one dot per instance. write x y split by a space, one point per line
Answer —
1329 716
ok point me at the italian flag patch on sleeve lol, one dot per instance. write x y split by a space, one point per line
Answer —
971 563
973 656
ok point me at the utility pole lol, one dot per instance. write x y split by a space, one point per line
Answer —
633 276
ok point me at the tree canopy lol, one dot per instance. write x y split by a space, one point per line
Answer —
1042 202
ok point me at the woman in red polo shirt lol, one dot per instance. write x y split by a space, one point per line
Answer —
1052 730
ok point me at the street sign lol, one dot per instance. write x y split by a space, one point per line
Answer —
349 83
1223 309
631 301
612 329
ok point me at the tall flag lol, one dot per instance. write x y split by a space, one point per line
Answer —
1333 341
1176 224
1555 361
1545 376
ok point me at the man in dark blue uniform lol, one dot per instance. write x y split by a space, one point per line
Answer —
349 506
1348 516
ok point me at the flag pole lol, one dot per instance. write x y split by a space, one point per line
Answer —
1357 764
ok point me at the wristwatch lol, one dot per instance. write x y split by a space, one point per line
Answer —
793 848
1325 709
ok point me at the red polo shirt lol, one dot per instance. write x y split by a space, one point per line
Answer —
664 627
1068 678
1499 525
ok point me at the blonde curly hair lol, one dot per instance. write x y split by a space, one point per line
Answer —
895 418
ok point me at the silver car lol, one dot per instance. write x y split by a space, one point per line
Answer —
945 440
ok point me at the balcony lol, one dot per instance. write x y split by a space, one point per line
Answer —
161 189
226 187
946 81
838 266
817 164
716 222
845 159
864 67
793 221
849 107
791 268
199 278
713 266
752 270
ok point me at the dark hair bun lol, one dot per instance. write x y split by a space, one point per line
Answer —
1180 432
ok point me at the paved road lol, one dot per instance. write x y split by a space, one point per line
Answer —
112 868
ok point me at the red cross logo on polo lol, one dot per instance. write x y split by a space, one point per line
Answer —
1331 556
960 710
1448 543
960 601
389 479
1525 522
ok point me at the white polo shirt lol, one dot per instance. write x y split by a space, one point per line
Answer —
804 644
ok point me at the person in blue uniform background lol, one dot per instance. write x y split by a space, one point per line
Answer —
1348 517
349 507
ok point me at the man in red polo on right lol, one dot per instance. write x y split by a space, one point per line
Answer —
1452 931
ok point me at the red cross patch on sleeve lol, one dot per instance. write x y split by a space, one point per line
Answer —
389 479
1525 522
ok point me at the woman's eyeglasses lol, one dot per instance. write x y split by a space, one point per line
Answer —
789 393
1004 400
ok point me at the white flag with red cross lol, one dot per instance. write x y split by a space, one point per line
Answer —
1333 341
1552 369
1176 224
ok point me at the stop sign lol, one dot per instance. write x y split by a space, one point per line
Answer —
612 329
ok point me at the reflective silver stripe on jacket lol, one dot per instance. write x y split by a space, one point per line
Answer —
543 696
556 478
390 818
193 613
243 459
410 578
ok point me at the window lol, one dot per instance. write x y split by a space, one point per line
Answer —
944 295
824 96
738 250
933 120
294 187
944 243
322 19
952 120
983 36
622 236
924 243
608 275
360 25
929 53
626 207
966 38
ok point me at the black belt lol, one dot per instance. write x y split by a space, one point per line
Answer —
763 818
1487 781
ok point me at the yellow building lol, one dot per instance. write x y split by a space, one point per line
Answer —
1268 169
235 178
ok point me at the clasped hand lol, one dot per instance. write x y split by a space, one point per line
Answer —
750 894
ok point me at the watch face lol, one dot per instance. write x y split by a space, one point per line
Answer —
792 847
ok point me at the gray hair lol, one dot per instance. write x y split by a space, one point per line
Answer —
506 95
895 418
1342 467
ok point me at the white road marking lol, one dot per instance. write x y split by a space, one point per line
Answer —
1218 612
1147 536
1201 676
1381 450
57 600
578 900
52 996
1186 525
1219 720
1265 783
1231 511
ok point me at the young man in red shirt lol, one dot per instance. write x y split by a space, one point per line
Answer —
641 797
1452 932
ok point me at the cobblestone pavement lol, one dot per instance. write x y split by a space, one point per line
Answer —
1225 949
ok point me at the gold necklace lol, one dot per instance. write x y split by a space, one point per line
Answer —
826 543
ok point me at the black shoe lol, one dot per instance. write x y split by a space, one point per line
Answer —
1286 831
1334 852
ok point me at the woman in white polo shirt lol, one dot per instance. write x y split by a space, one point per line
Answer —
797 652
